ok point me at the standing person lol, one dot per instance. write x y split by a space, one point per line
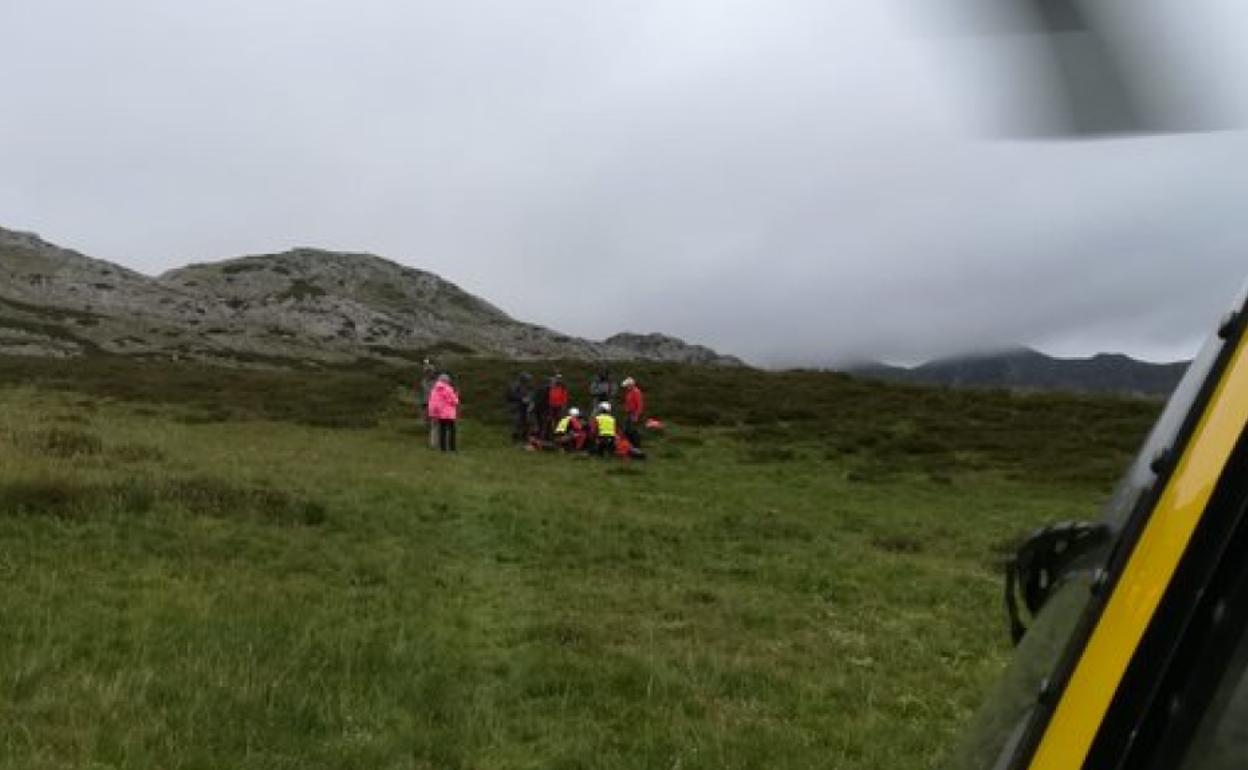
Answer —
541 411
444 411
520 402
558 399
428 378
634 410
604 424
600 387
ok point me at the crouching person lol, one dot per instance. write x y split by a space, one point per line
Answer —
444 411
571 433
604 431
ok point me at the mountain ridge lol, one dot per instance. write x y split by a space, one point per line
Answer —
304 303
1024 368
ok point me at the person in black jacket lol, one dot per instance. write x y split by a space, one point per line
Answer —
520 402
601 388
541 411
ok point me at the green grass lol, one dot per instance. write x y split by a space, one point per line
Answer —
208 568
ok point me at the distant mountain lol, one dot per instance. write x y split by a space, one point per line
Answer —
301 304
1026 369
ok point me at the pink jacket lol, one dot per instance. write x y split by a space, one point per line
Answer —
443 402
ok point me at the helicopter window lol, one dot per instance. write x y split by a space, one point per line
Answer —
1163 437
1222 741
1000 725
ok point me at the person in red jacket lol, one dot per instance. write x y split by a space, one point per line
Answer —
634 410
557 401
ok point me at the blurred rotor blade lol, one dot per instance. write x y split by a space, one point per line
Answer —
1093 94
1059 16
1086 68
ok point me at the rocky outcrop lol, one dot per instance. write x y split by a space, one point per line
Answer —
305 304
54 301
350 303
662 347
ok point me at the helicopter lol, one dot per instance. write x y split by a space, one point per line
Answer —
1132 629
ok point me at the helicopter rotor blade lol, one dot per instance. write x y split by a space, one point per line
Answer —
1100 68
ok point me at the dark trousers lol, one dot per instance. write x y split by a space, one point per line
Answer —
446 435
605 446
632 431
553 415
520 426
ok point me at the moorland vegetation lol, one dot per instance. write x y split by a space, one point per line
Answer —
266 568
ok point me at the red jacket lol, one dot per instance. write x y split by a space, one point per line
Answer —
558 398
634 403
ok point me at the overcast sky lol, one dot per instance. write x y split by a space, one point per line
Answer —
792 181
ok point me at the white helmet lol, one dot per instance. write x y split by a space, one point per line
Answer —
628 382
605 406
574 412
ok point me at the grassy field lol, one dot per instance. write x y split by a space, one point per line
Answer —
204 568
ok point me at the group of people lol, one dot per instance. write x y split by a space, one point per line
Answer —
544 417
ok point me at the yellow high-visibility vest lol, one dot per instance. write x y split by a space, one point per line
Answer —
606 425
562 427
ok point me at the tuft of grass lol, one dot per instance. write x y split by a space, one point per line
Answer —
64 443
206 496
69 498
136 453
629 470
72 499
685 440
769 454
898 543
71 419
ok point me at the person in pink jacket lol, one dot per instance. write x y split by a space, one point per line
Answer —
443 411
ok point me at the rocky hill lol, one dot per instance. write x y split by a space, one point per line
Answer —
661 347
302 304
1026 369
58 302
